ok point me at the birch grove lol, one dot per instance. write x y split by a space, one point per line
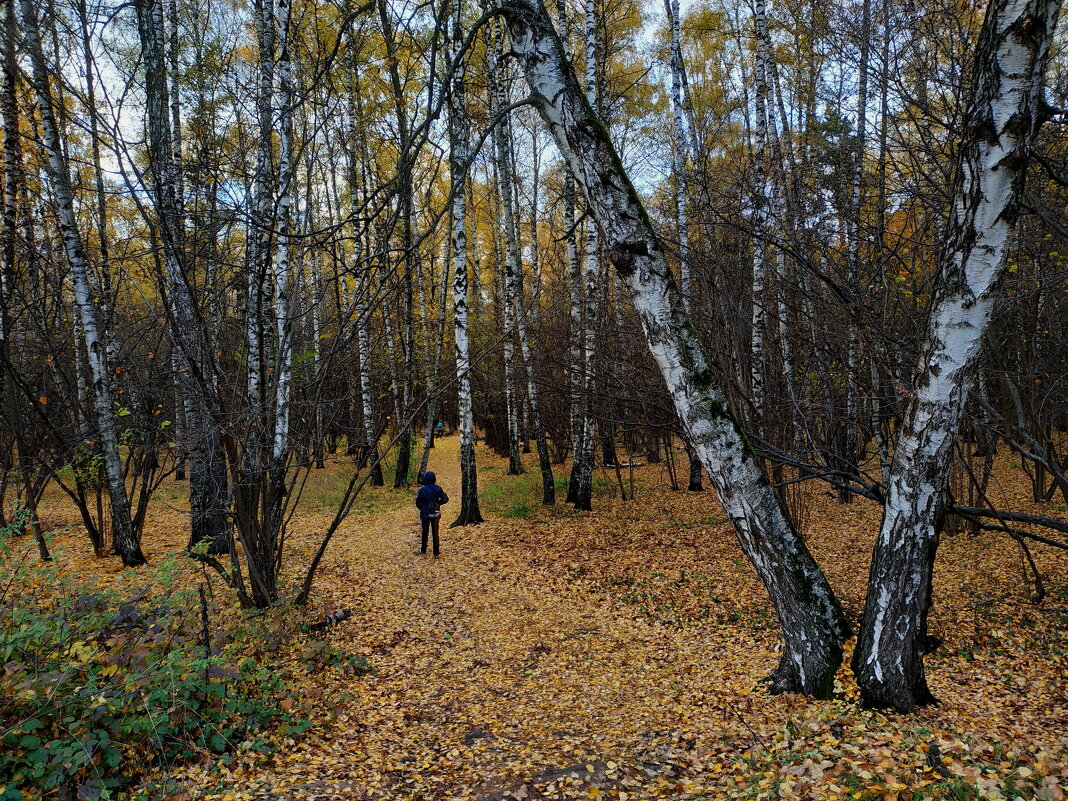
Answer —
250 250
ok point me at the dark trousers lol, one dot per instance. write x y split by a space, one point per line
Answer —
428 526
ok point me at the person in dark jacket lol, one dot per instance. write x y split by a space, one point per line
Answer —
429 501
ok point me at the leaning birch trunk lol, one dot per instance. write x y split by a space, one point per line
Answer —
459 149
813 624
59 174
1002 118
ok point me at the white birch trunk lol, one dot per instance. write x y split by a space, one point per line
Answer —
577 365
853 253
59 174
813 624
260 211
760 213
680 151
459 149
282 279
1001 121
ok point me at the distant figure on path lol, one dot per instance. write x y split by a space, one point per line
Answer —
429 500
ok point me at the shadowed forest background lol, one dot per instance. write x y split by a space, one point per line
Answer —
735 332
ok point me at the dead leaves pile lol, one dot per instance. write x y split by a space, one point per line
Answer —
619 655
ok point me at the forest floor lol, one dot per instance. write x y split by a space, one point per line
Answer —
549 654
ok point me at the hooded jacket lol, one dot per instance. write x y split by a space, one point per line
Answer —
430 497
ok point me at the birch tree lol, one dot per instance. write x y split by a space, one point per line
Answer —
812 622
1003 114
762 192
58 171
580 486
459 150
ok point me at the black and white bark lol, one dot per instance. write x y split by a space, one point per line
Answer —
577 362
812 622
1002 117
459 149
580 485
503 182
761 199
58 171
853 235
680 149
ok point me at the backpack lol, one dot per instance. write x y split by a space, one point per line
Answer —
433 508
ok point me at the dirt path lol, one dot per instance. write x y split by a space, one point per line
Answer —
485 673
527 662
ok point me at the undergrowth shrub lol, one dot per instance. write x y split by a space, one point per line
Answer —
99 686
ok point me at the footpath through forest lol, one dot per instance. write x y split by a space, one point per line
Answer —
618 655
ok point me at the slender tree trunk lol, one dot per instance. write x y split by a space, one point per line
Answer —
207 468
13 177
813 624
1002 118
434 369
364 286
459 149
853 256
59 174
405 200
680 151
577 365
505 265
580 487
760 213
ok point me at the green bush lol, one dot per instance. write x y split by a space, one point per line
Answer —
95 689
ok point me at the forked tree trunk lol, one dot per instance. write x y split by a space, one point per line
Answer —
813 624
59 174
1001 120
